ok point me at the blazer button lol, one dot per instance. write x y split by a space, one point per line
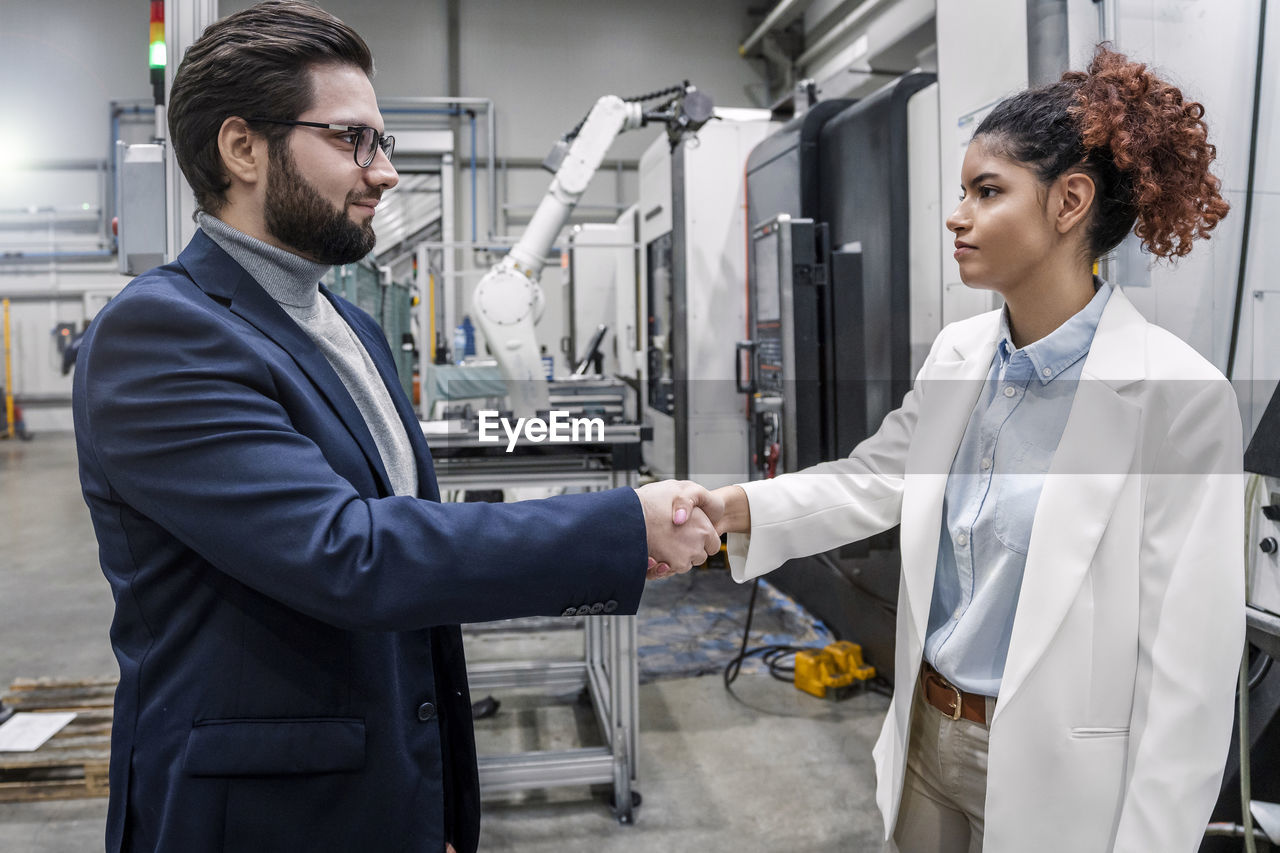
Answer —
570 611
584 610
597 609
610 606
426 712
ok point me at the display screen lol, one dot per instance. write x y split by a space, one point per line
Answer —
659 262
765 258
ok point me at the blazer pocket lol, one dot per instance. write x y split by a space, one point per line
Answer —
1099 732
275 747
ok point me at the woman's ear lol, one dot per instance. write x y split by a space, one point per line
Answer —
1071 200
244 153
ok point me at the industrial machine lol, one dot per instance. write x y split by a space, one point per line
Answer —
508 301
1260 680
831 343
693 274
601 272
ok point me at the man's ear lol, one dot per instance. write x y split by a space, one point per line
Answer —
1072 200
244 153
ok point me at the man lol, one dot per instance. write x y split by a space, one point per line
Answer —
288 587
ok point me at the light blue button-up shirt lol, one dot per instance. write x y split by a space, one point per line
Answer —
992 494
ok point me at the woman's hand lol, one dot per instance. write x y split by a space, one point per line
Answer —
736 514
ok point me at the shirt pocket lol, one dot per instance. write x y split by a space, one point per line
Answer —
1017 492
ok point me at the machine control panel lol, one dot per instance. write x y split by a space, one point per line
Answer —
779 367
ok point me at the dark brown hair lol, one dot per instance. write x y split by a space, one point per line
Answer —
252 63
1145 148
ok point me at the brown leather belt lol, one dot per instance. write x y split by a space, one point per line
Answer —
949 699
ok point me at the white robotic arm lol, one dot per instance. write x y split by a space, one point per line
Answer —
509 300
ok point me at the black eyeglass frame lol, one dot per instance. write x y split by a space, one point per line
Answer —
384 141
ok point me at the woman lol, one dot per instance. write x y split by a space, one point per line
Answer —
1067 480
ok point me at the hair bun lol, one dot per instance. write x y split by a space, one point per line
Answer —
1156 138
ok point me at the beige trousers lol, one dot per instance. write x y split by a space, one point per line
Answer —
945 790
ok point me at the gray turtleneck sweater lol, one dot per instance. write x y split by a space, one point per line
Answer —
294 283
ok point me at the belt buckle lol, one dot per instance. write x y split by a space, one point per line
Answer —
957 706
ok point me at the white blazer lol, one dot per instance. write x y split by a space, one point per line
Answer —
1111 729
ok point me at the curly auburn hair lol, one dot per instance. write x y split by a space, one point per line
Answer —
1144 146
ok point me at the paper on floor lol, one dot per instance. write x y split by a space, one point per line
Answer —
25 732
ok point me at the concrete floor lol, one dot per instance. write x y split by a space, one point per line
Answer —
778 770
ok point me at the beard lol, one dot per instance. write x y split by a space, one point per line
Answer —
299 217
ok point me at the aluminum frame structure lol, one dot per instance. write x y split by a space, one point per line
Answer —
608 668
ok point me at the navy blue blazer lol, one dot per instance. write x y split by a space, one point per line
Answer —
291 670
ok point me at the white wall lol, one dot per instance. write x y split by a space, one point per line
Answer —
1207 49
1210 56
1210 53
61 62
972 78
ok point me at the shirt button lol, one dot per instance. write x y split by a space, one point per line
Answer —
986 464
1009 390
426 712
962 540
1046 372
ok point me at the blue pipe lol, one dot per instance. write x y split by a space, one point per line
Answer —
45 256
452 111
115 119
473 177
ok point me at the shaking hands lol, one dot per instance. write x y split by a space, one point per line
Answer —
680 519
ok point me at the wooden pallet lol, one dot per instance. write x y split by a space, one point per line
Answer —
73 763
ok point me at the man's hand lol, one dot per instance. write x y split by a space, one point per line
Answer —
678 520
690 495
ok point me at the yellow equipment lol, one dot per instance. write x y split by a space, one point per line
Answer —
833 672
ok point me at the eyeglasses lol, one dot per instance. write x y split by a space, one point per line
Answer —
367 139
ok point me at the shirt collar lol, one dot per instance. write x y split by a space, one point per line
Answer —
1065 345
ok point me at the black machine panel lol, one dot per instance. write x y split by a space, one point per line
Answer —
863 163
782 171
661 323
843 165
783 178
789 316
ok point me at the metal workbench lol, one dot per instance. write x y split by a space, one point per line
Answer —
607 669
1263 630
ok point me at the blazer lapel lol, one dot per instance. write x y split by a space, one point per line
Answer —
408 418
947 398
215 272
1081 489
